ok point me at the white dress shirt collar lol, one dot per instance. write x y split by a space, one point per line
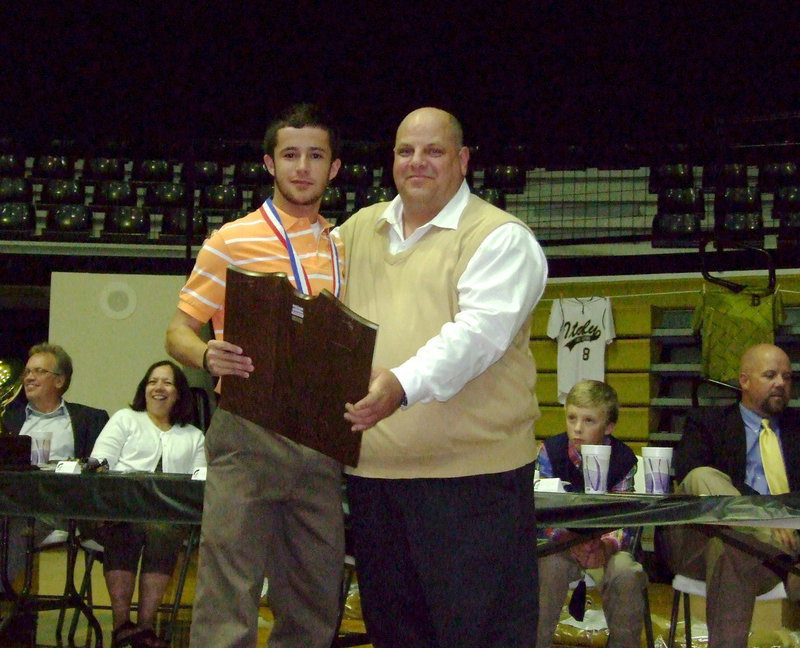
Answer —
446 219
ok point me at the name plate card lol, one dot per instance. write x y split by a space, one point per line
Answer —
68 467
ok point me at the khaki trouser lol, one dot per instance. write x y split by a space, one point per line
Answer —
733 576
621 588
271 507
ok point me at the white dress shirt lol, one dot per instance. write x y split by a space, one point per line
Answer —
499 288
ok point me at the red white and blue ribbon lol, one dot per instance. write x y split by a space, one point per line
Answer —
301 281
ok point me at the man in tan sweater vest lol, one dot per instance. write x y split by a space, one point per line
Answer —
442 498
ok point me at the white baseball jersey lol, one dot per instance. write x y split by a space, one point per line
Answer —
582 328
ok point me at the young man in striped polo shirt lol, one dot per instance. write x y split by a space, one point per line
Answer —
272 507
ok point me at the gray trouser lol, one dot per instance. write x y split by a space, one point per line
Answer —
18 542
272 508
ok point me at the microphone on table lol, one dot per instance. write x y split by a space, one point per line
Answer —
93 464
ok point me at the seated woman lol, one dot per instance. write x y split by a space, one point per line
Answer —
153 435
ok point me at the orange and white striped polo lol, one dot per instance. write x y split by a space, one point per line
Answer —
249 243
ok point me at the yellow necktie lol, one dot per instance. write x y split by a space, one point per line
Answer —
772 459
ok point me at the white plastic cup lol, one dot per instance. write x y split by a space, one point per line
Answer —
595 460
657 467
40 449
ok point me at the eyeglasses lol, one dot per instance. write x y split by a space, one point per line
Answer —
38 372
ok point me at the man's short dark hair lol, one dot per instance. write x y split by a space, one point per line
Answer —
183 411
300 116
63 361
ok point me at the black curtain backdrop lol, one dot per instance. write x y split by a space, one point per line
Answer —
595 73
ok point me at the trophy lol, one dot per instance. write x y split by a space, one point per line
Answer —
10 384
311 355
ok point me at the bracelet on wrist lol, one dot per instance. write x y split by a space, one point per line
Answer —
205 360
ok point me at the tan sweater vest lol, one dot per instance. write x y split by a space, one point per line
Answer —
488 426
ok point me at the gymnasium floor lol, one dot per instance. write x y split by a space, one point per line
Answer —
768 629
52 568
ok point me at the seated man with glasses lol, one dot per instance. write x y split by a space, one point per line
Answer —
43 413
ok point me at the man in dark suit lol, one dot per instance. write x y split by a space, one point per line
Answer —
43 413
74 427
727 451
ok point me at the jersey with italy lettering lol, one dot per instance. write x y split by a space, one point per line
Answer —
582 328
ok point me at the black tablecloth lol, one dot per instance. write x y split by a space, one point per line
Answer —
136 497
130 497
581 510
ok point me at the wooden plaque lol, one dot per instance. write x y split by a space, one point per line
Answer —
311 356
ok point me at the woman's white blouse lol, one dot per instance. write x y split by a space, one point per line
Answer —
130 441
